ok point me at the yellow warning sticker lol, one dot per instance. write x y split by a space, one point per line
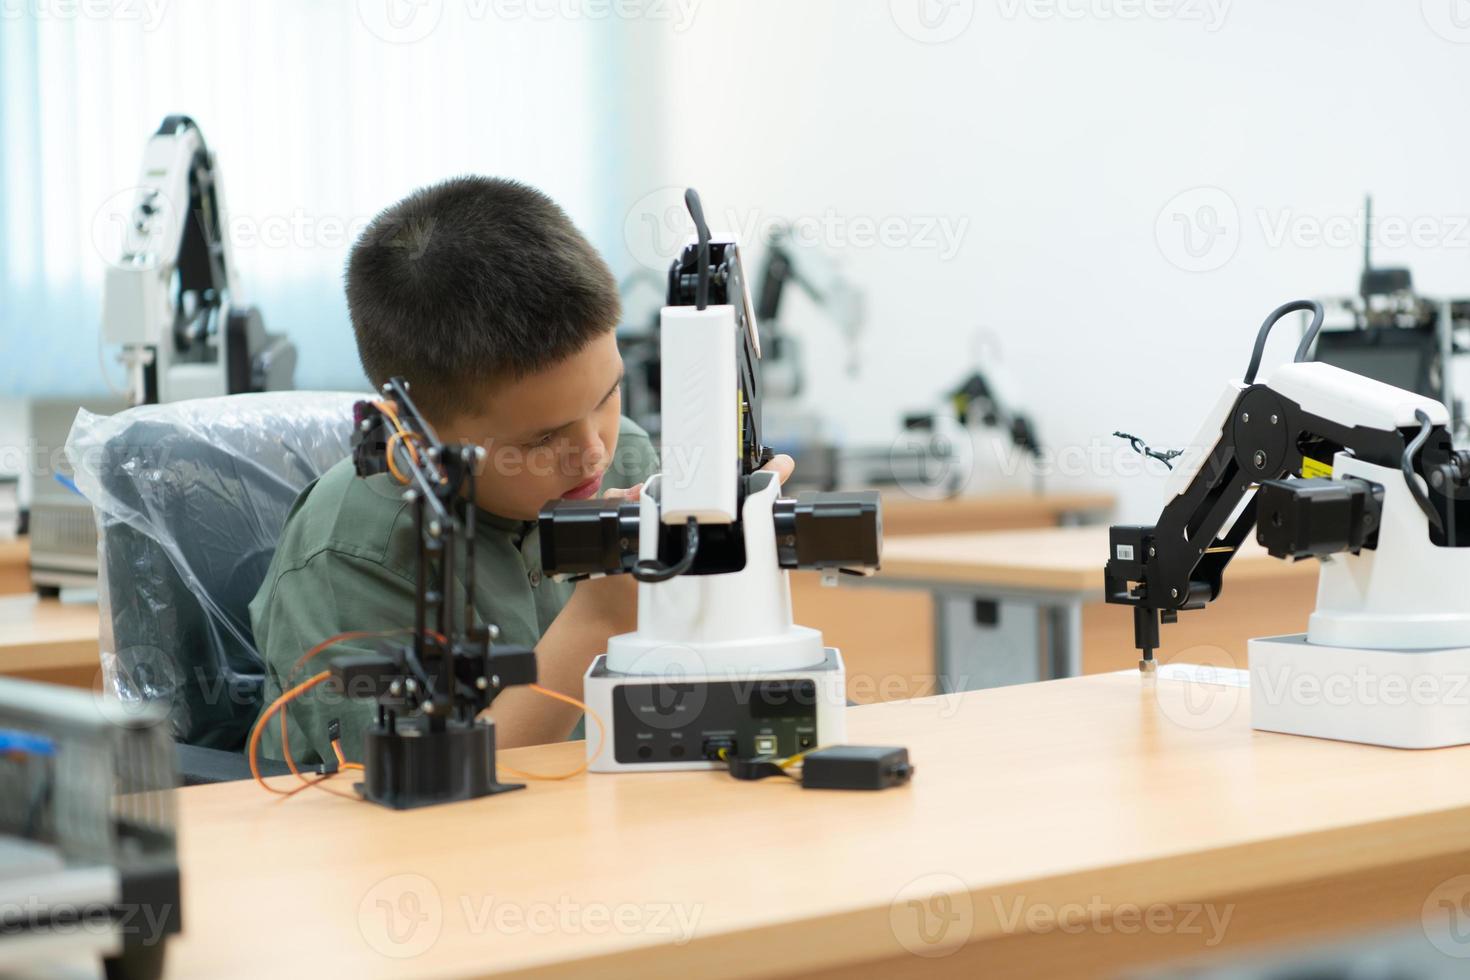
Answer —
1312 468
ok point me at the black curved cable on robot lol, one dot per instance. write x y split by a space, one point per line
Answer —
1407 465
701 282
1305 347
649 570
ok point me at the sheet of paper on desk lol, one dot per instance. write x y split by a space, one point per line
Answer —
1204 674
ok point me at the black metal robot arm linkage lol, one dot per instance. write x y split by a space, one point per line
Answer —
1179 563
448 670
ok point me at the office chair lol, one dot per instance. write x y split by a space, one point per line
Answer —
190 499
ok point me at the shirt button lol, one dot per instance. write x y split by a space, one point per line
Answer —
535 577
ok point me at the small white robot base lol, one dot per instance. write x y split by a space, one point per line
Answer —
673 720
716 662
1383 661
1406 699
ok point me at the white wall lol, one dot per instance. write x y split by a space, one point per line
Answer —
1060 143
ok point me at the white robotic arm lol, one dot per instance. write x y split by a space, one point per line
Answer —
716 666
1330 465
170 299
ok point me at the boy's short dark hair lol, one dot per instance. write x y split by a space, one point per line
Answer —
470 281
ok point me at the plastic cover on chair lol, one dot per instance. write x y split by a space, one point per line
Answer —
190 498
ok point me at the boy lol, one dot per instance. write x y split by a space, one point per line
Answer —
501 316
483 295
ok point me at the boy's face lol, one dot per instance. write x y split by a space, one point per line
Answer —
551 434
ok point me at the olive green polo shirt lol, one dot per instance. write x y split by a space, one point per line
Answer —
347 560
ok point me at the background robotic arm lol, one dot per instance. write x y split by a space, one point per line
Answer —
1275 460
170 299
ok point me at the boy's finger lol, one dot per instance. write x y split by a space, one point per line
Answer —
616 493
782 465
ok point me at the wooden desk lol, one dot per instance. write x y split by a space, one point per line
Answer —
904 514
877 630
15 566
1096 799
49 640
1016 606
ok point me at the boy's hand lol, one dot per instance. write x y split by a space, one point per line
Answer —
782 465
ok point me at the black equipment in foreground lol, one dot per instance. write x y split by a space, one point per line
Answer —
429 745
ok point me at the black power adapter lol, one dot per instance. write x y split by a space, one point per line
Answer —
856 767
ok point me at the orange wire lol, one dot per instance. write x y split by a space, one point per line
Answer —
407 438
328 642
400 434
270 712
289 696
587 761
342 764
